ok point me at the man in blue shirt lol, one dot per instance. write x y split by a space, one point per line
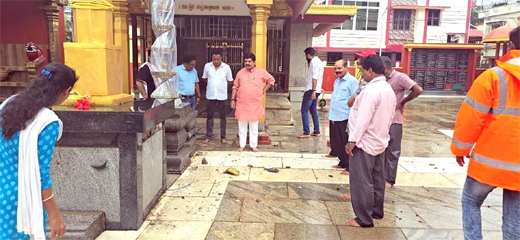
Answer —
189 81
344 87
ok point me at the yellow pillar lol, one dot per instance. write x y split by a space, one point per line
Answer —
94 56
121 39
260 10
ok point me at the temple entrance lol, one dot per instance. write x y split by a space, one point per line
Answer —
142 38
278 53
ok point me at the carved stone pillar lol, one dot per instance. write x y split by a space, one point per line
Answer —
52 10
121 39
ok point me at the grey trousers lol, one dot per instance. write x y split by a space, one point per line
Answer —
367 186
393 152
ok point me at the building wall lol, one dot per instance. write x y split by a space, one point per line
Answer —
301 38
340 38
401 37
453 19
320 41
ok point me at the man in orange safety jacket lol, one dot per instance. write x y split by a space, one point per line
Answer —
487 131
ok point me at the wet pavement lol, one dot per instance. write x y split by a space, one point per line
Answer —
301 201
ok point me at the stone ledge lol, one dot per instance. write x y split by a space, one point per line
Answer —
82 225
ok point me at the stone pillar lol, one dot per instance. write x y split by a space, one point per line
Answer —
121 39
52 10
260 10
94 56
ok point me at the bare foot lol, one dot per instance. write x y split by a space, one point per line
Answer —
304 136
346 196
223 141
330 156
337 166
344 172
389 185
255 149
203 142
352 223
240 149
315 134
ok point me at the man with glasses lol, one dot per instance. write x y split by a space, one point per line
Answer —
189 81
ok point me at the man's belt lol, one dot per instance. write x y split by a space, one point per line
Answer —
187 97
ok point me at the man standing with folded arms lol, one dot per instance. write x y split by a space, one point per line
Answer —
369 124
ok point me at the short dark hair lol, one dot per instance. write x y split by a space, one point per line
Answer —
514 37
373 62
250 55
216 52
310 51
345 63
149 52
188 58
387 62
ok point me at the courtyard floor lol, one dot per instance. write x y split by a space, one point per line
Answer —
302 201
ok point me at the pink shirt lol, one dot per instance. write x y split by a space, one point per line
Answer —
400 83
371 117
250 93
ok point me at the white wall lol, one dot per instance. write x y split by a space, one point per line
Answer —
320 41
453 19
419 25
362 39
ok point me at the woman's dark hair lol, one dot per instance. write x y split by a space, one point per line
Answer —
250 56
44 91
373 62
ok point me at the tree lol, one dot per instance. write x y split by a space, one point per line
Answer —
474 14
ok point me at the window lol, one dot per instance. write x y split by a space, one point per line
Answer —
402 19
366 18
332 57
434 17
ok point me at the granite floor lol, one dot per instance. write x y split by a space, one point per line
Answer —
426 126
302 201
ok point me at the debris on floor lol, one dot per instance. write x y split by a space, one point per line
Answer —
287 166
232 171
250 165
204 161
331 176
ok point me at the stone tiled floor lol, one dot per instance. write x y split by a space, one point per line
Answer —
302 202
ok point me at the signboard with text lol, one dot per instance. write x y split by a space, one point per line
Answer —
212 7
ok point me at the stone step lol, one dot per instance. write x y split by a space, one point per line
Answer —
178 161
82 225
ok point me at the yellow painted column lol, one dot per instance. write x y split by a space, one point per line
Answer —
260 10
94 56
121 39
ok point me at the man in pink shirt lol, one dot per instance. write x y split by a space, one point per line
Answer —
369 124
251 83
400 83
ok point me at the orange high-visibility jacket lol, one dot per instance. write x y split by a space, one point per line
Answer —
488 125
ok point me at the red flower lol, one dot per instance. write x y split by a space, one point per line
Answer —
82 104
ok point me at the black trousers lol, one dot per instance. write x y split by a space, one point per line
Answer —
338 141
367 186
212 107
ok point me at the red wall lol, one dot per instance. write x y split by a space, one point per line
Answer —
329 77
22 22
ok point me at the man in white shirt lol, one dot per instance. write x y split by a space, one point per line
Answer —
312 92
218 74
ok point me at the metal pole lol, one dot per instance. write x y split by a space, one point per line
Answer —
381 37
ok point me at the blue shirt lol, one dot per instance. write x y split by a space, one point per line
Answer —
187 80
344 88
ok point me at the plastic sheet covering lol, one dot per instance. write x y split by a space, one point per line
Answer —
164 51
